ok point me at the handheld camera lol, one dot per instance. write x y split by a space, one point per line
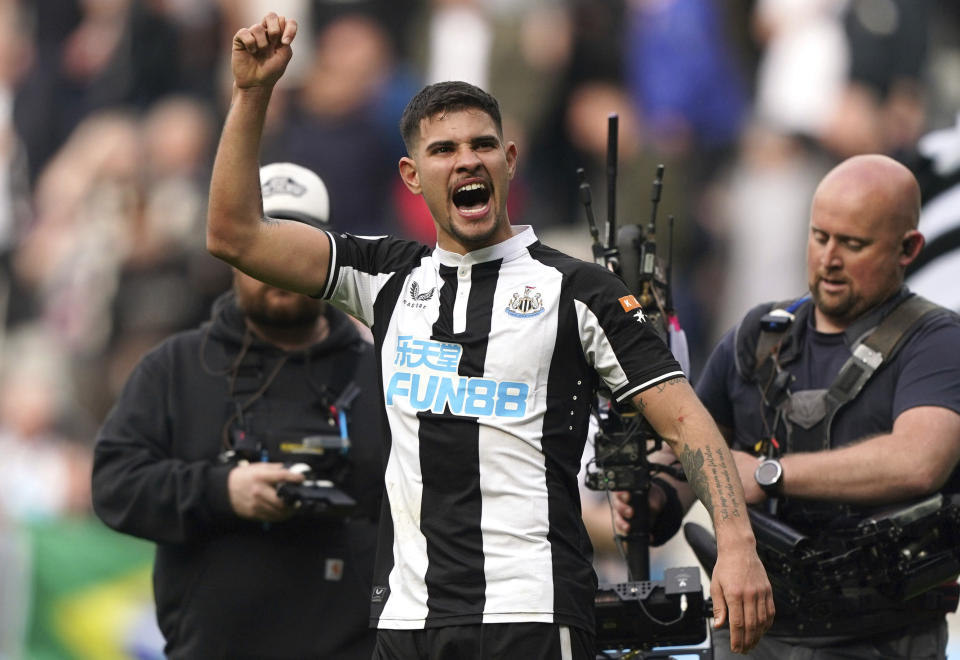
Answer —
634 617
322 457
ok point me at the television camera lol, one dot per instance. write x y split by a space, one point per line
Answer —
634 618
904 558
321 456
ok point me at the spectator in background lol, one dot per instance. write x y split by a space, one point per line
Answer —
683 78
205 431
104 234
936 164
15 194
586 124
590 35
43 440
165 280
763 201
45 469
86 200
835 79
94 55
882 108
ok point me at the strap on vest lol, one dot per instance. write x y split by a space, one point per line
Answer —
877 348
774 325
773 328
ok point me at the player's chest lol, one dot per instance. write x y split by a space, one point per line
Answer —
476 304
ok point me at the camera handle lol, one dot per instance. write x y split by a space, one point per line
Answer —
638 538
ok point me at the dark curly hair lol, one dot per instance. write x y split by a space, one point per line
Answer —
450 96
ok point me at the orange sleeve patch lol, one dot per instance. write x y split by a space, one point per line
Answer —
629 303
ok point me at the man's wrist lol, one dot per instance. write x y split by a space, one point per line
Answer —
769 476
734 536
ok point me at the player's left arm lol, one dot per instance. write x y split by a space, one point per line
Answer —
741 592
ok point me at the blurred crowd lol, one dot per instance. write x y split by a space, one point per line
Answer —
110 110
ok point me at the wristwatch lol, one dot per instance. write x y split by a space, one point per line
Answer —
769 476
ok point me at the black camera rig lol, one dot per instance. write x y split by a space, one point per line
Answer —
635 617
871 574
888 558
322 457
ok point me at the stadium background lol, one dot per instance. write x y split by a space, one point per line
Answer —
109 112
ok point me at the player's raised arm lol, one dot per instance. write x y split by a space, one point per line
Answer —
287 254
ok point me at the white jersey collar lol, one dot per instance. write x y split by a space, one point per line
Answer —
507 250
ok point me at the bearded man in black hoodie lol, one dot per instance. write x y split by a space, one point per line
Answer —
194 452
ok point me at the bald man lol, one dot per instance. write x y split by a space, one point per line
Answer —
834 460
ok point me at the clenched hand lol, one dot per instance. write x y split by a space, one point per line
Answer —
262 51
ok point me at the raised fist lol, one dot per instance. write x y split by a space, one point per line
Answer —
262 51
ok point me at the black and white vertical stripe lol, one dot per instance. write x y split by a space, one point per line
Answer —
484 502
936 271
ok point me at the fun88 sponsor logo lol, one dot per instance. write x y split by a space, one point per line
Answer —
425 375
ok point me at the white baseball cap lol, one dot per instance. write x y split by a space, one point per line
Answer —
296 193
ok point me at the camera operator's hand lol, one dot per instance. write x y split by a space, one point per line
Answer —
253 491
665 505
622 511
262 51
598 524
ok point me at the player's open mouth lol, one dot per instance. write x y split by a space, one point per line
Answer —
472 198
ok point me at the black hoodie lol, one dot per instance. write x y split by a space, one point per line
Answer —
227 587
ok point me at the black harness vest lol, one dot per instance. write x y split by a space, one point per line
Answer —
769 338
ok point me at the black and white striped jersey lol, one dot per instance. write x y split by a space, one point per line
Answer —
489 362
936 270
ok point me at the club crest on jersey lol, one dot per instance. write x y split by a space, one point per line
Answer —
527 304
418 298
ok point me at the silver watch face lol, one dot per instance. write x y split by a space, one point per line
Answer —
768 472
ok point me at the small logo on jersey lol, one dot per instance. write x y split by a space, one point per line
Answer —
417 298
379 594
282 185
640 316
333 570
527 304
416 295
629 303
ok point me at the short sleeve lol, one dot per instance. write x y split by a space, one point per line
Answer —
618 336
361 265
930 367
713 384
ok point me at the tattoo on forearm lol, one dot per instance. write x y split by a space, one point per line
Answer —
673 381
707 466
693 467
660 387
